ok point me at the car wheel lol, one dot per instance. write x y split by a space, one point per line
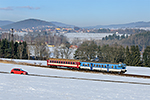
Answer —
21 73
12 73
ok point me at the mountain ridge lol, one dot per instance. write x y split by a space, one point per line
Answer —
5 22
29 23
127 25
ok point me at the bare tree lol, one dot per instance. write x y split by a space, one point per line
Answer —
20 50
56 52
28 51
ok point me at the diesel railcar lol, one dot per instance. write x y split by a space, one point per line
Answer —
101 66
69 63
77 64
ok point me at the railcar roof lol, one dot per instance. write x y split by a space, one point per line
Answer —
80 61
64 59
100 62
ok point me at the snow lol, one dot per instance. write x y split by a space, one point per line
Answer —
22 87
138 70
85 36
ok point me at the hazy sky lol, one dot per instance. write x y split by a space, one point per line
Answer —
77 12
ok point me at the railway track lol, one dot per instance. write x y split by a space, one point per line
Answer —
87 79
86 71
106 73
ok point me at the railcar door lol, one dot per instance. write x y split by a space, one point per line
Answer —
91 67
107 67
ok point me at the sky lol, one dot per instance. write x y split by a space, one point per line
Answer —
77 12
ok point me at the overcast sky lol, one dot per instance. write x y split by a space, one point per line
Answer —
77 12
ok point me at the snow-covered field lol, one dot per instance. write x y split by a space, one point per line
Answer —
23 87
85 36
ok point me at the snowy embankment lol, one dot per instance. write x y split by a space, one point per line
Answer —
24 87
130 69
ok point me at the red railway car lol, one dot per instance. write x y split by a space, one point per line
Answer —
52 62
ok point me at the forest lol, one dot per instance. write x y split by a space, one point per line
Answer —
131 56
9 49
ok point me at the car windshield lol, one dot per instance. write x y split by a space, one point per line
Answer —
21 70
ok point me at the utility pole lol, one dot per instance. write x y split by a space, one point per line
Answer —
12 34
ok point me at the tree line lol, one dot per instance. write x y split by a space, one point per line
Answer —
140 39
10 49
114 36
90 51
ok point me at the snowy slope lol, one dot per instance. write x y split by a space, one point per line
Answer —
23 87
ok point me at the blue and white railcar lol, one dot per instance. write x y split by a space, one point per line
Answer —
109 67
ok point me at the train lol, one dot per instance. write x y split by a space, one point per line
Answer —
87 65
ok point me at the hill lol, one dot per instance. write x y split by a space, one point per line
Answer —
61 24
29 23
128 25
2 23
140 39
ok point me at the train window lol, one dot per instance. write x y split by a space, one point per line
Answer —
71 62
105 66
99 65
102 65
57 61
115 67
96 65
112 66
88 64
83 64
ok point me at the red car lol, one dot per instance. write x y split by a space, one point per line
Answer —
18 71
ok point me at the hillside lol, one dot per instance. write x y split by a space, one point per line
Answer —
140 39
29 23
128 25
2 23
61 24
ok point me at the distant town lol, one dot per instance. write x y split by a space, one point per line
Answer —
28 30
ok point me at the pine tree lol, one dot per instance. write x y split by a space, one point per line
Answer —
12 48
24 55
127 56
138 58
15 50
146 56
135 55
